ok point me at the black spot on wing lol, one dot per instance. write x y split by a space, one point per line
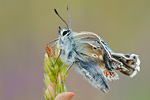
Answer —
94 48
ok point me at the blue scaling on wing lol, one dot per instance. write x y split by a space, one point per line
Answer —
91 71
105 55
107 47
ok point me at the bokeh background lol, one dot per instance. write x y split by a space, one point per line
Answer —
26 26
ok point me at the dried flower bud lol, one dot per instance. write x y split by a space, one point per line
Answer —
50 91
64 96
49 51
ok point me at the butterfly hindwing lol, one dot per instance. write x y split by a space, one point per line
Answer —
91 71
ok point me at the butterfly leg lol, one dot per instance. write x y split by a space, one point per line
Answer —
57 57
52 41
53 44
67 71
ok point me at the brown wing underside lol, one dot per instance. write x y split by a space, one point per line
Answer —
88 45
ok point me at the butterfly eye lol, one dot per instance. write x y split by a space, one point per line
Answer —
65 32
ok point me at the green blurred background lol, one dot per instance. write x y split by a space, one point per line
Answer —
26 26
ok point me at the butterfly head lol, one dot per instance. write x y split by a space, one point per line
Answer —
64 31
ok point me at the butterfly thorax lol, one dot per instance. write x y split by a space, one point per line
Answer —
65 45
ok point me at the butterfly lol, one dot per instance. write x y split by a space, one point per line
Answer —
92 57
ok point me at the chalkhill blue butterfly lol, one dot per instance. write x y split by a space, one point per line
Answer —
92 57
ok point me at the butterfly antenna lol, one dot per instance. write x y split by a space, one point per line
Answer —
69 16
61 18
